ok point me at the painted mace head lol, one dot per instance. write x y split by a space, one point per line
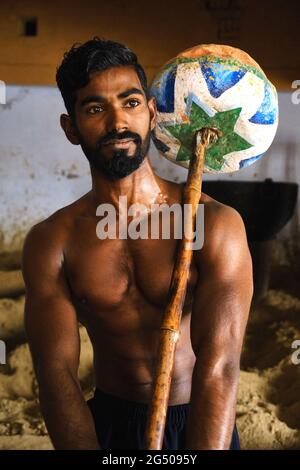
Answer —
219 87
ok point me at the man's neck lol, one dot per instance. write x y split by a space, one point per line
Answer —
142 187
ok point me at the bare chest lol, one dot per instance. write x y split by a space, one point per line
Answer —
120 289
119 275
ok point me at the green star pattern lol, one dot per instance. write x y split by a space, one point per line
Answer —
223 121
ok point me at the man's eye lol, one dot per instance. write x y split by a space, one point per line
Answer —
133 103
95 109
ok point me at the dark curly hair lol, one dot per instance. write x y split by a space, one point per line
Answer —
93 56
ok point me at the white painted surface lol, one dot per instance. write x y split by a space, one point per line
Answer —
40 171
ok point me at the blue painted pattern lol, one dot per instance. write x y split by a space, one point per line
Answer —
164 91
249 161
220 78
267 112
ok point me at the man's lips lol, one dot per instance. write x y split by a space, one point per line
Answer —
118 143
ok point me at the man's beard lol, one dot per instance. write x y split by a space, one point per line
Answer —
119 164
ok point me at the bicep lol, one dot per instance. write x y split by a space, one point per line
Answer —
223 293
52 332
50 318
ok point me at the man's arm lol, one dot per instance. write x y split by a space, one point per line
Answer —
219 317
53 335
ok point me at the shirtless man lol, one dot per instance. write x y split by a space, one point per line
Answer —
118 288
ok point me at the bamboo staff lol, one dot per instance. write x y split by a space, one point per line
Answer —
170 327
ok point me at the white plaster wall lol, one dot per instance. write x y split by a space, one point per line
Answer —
40 171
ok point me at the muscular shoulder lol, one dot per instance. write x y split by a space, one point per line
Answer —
221 221
43 250
47 236
53 231
225 241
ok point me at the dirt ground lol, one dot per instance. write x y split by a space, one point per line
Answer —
268 408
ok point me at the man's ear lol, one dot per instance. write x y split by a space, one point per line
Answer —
69 129
153 111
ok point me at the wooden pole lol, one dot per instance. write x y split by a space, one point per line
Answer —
170 327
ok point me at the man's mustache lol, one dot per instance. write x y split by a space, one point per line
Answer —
119 136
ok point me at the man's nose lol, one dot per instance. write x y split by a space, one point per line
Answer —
117 120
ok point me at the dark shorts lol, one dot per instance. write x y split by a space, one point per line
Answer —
121 424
